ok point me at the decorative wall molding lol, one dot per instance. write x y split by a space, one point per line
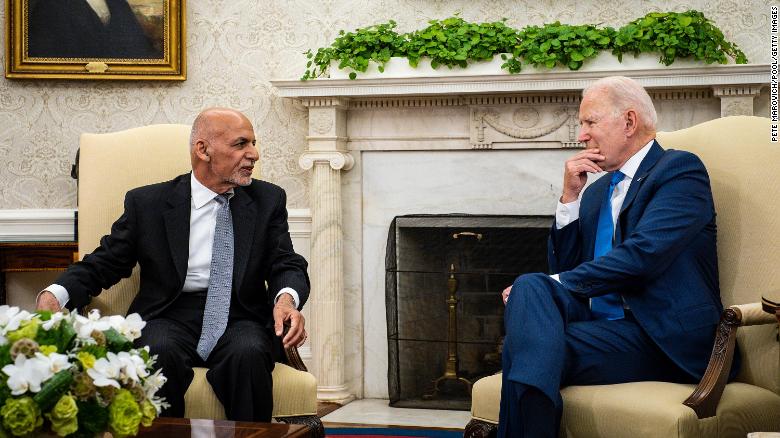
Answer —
692 94
37 225
299 221
45 225
514 99
737 90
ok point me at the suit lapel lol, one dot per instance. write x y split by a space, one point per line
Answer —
177 225
244 212
652 157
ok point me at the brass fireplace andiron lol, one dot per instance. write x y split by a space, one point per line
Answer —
451 369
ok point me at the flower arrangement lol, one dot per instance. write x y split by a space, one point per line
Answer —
75 375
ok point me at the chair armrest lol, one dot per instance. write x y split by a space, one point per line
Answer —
704 399
291 354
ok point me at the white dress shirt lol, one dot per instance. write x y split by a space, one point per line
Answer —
203 220
570 212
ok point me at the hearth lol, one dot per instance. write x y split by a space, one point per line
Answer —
444 275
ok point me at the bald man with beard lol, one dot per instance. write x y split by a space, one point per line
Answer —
170 230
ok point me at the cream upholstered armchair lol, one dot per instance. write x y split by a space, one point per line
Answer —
110 165
744 169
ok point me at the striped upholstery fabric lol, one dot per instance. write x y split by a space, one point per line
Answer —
744 170
109 166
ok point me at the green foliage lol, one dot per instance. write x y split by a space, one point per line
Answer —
5 391
562 45
5 354
53 389
99 351
456 42
676 35
116 342
60 336
93 418
376 43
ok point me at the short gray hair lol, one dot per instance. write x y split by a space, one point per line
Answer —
626 93
195 132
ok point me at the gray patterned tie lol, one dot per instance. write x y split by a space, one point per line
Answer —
215 314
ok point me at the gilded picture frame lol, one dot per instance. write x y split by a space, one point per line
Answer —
95 39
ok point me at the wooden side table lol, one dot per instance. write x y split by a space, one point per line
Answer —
34 257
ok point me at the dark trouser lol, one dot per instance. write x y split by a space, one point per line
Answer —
552 342
240 365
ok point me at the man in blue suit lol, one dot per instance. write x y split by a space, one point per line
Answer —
634 295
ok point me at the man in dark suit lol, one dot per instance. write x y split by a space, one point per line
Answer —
87 29
634 295
213 245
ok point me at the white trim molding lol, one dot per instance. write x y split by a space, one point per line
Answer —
56 225
299 221
317 92
37 225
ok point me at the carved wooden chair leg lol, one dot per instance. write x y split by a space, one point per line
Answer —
312 421
480 429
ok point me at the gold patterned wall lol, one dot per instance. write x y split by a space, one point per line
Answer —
235 47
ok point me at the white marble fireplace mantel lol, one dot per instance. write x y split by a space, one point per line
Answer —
670 77
379 148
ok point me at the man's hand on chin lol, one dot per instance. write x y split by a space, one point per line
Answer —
47 301
285 310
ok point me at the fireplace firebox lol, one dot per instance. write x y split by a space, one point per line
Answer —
444 276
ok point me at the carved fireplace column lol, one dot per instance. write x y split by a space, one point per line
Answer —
736 100
328 157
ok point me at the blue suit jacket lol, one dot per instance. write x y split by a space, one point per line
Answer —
664 259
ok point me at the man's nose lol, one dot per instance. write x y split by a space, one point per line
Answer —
253 154
583 136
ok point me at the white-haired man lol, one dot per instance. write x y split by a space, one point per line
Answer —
634 293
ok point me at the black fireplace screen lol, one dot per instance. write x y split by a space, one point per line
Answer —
444 276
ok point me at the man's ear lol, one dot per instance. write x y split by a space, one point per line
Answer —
632 123
202 150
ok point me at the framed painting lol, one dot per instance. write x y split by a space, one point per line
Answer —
95 39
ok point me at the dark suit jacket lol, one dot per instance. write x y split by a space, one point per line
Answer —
664 260
154 232
71 29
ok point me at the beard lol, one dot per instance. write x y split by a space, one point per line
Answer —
239 180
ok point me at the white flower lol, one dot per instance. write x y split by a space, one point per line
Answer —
24 375
106 371
54 321
12 317
129 327
134 367
153 383
84 326
53 363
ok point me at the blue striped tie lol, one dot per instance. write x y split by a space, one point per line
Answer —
215 314
608 306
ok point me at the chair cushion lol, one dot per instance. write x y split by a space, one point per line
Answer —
295 394
485 398
646 409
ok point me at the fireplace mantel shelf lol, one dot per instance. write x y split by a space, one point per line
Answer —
707 76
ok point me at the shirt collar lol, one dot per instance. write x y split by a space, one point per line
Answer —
202 195
632 165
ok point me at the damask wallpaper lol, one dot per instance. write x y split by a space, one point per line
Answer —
235 47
